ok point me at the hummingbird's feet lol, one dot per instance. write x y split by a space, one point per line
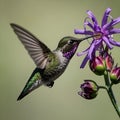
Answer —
50 84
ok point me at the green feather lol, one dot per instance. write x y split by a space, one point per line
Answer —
33 82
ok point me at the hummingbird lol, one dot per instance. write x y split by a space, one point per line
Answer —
49 64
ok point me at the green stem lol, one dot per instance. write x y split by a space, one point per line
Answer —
110 92
102 87
113 102
108 84
106 77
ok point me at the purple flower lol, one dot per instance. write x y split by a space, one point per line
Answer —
104 31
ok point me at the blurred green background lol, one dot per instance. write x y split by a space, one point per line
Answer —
50 20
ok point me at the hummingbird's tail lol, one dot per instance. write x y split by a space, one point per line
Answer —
33 83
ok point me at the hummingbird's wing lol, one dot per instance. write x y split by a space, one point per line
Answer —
36 49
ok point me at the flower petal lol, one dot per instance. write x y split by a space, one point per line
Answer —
114 42
91 15
88 24
84 62
115 21
94 20
85 32
114 31
106 40
83 52
107 26
111 24
91 50
97 28
105 17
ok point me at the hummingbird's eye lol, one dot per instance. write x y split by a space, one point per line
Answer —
70 42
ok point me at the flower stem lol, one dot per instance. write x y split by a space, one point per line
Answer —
110 92
113 102
102 87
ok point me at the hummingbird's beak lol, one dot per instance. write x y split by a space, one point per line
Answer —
82 39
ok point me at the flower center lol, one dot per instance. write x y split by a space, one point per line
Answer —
98 35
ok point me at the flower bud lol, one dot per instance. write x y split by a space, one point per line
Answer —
101 63
89 89
109 62
115 75
97 65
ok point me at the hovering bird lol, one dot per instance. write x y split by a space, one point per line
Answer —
50 64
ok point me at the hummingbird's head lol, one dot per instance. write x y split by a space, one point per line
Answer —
68 45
